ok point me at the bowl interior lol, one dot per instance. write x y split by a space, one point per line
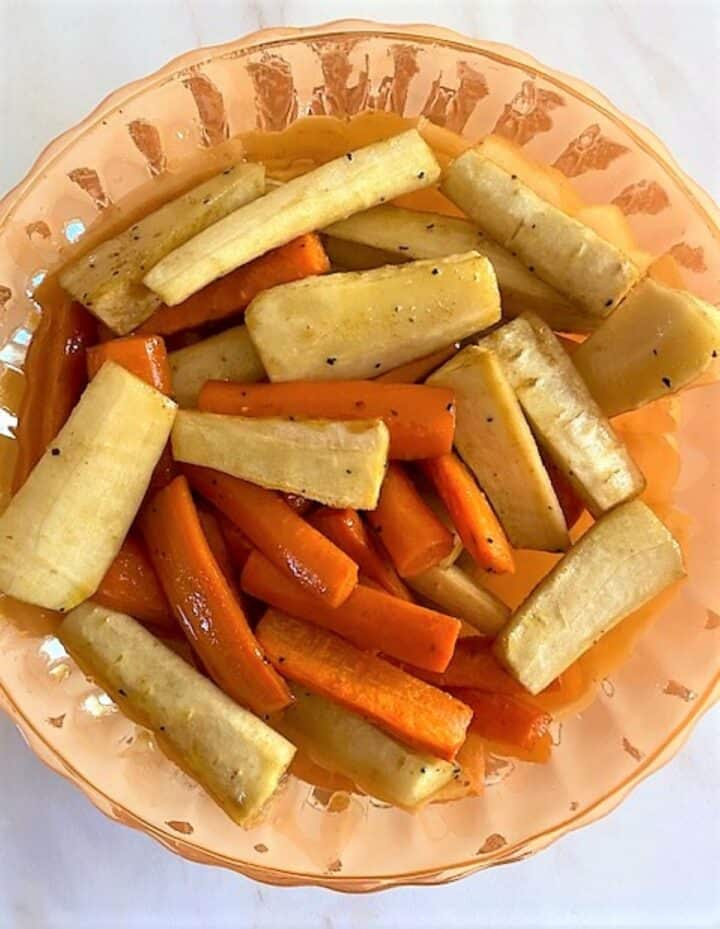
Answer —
150 136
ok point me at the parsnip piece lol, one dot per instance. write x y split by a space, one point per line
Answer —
235 756
353 182
457 594
359 324
337 463
65 525
108 280
620 563
345 743
563 252
230 356
406 234
495 441
657 342
565 418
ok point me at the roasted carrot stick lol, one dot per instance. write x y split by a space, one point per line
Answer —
418 370
298 503
231 294
146 358
292 545
370 619
143 356
420 419
571 505
414 712
217 544
474 665
347 530
237 543
471 514
131 586
509 720
55 376
209 613
413 535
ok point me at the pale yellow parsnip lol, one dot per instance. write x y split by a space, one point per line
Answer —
235 756
333 191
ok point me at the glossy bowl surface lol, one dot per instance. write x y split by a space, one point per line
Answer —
644 706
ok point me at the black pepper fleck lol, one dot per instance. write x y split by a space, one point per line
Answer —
403 248
122 692
349 156
331 360
436 270
489 419
430 226
394 413
423 770
378 364
714 353
513 177
531 268
489 540
55 451
655 352
348 470
421 175
449 406
667 382
608 303
281 658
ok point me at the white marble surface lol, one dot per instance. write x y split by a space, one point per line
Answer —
656 861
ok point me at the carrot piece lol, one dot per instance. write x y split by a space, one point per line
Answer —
298 503
508 720
131 586
413 535
347 530
146 358
370 619
570 504
143 356
409 709
203 602
235 291
420 419
474 665
55 376
418 370
237 543
217 545
292 545
471 514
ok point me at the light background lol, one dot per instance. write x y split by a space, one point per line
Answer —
653 863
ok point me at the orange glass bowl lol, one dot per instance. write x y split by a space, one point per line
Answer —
645 707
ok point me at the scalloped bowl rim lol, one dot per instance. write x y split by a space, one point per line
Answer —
675 740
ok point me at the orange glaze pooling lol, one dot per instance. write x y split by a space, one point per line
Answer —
649 432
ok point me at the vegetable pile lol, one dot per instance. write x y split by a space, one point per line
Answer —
298 426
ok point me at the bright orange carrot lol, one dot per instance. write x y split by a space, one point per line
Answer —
143 356
217 544
204 604
146 358
231 294
474 665
370 619
131 586
420 419
236 542
409 709
347 530
471 514
418 370
55 376
413 535
571 505
292 545
508 720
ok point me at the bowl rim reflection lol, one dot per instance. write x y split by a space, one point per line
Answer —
644 139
